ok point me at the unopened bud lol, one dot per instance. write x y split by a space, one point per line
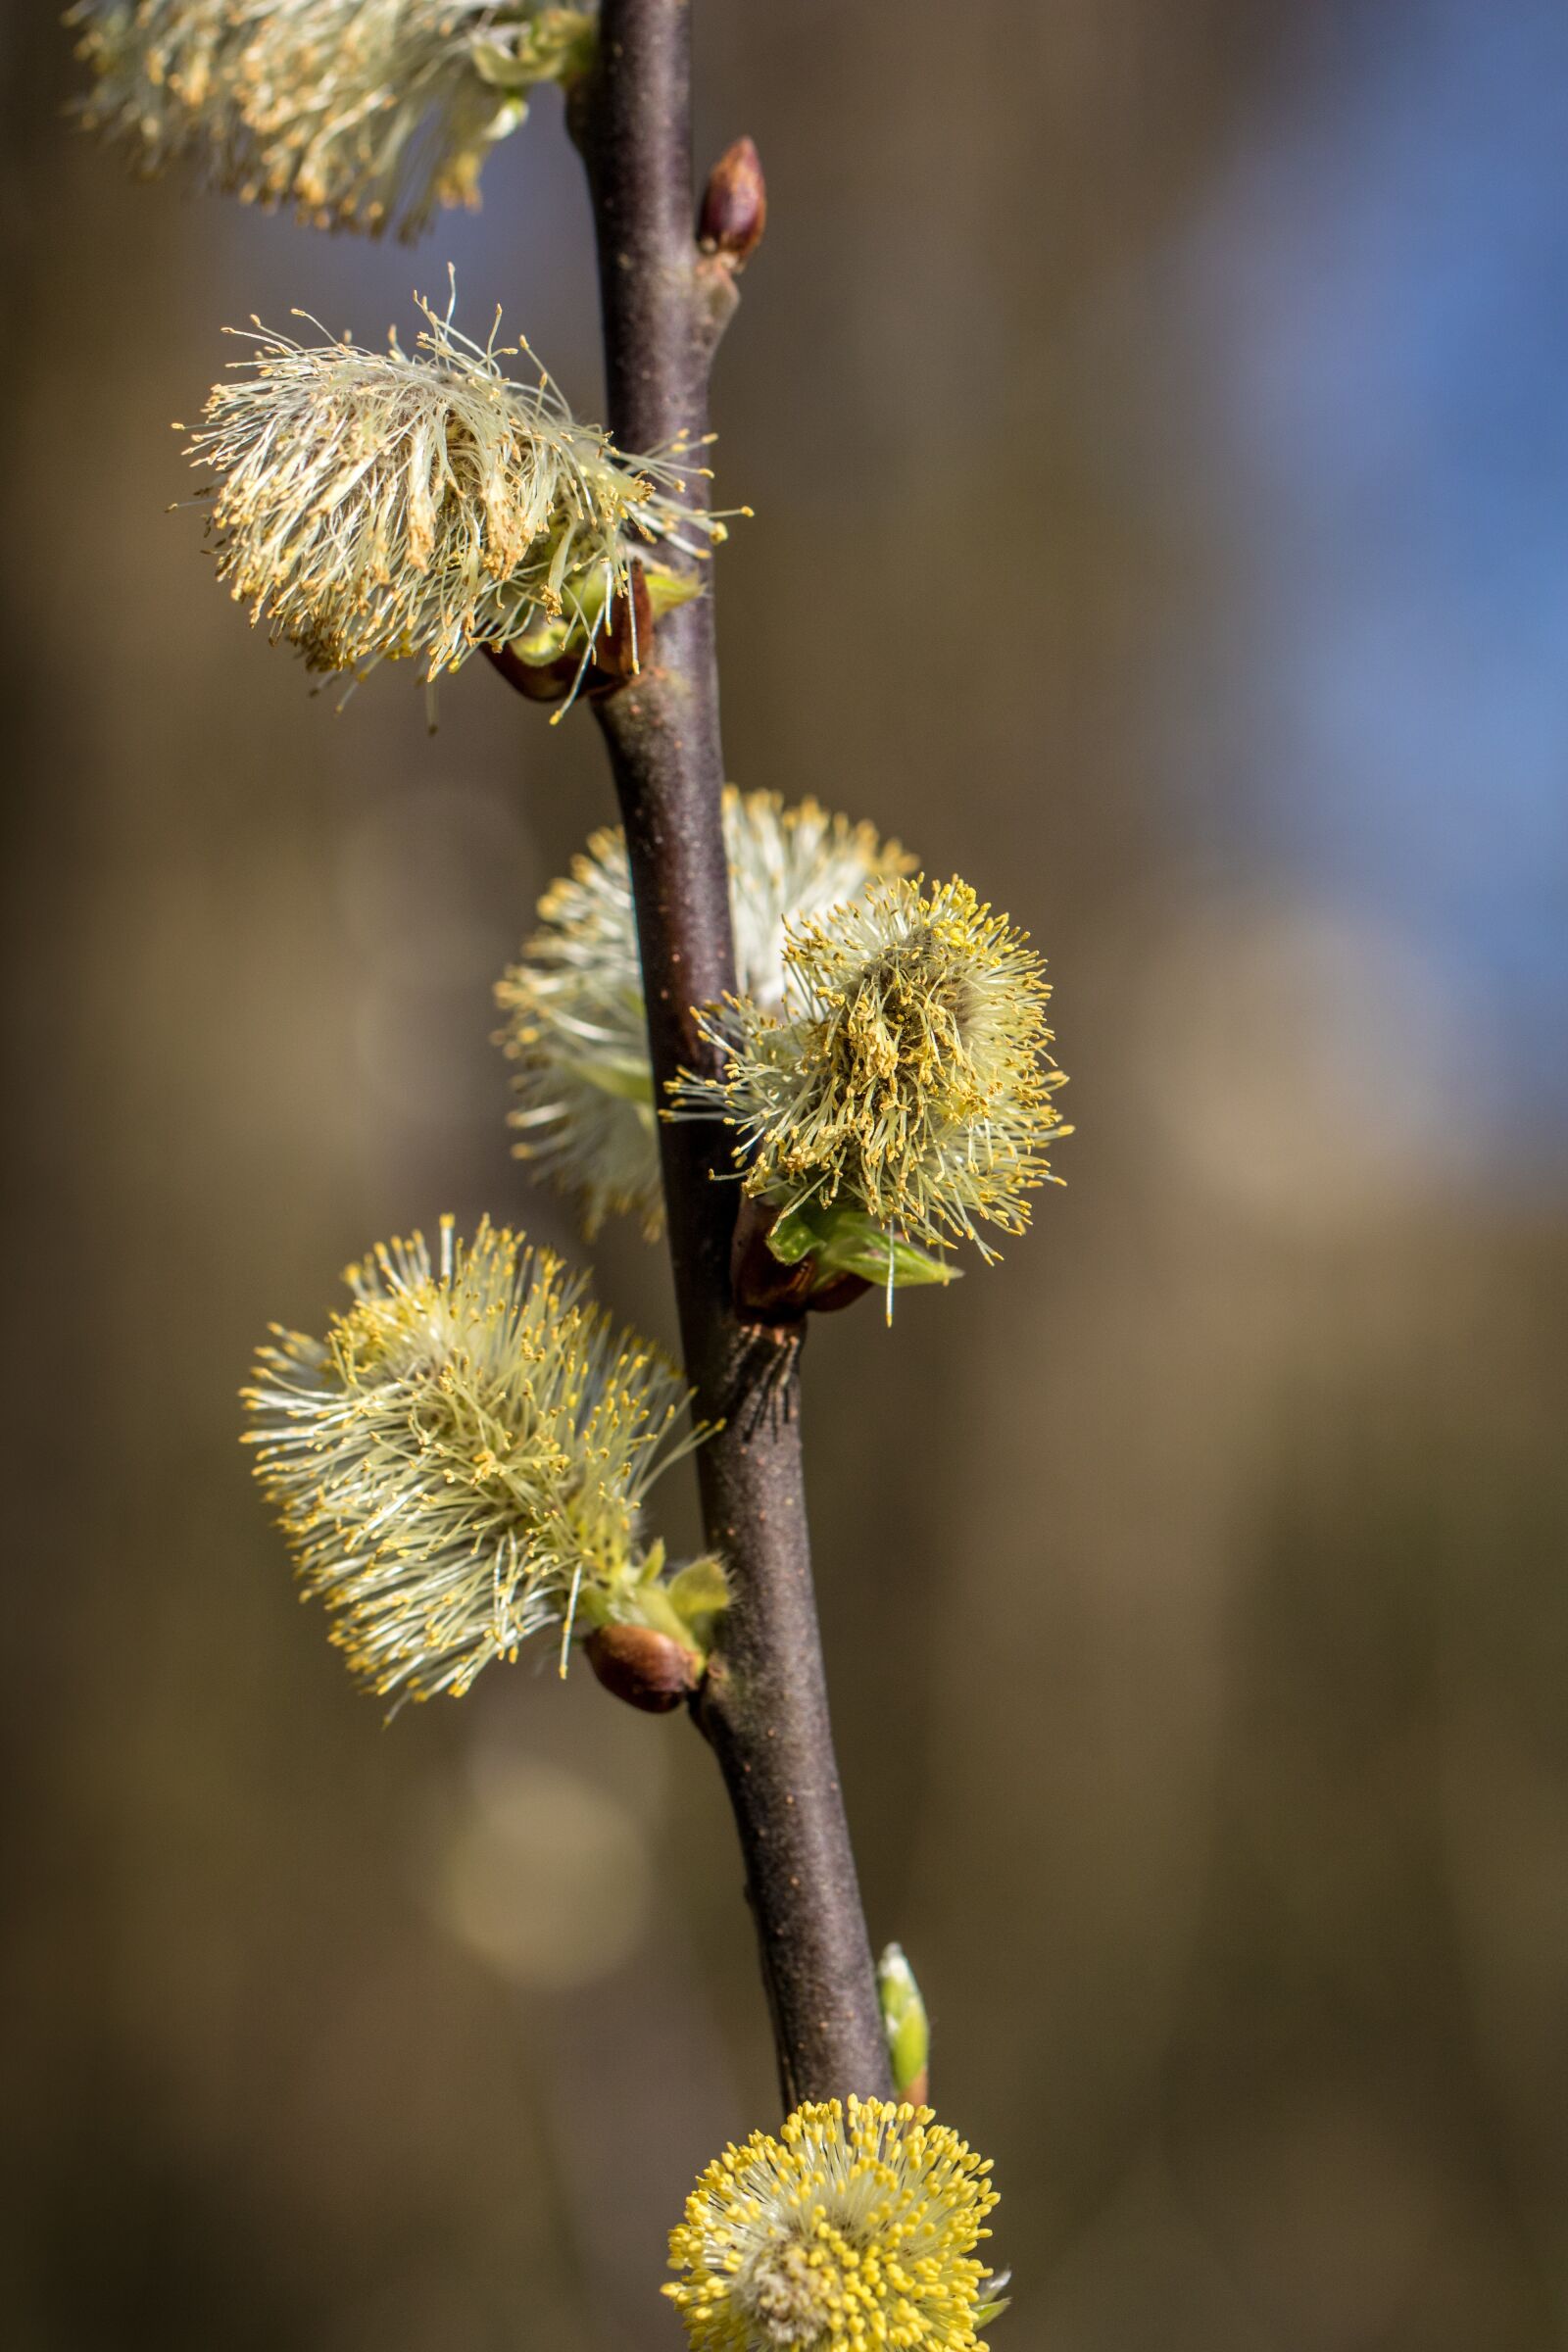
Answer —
646 1669
905 2024
734 211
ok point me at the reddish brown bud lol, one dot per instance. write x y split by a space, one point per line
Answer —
734 209
832 1297
644 1668
537 681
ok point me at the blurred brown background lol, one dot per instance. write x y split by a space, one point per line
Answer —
1155 419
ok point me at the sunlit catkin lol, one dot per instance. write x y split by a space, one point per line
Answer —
906 1077
575 1029
855 2227
359 114
374 506
464 1460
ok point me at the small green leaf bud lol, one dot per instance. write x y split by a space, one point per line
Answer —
907 2028
841 1240
995 2304
697 1593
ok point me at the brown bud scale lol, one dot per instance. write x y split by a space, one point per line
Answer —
644 1668
734 209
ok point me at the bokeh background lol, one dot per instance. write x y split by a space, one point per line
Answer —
1157 425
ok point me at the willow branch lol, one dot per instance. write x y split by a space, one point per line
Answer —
764 1706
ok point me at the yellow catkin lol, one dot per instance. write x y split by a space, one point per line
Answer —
854 2231
357 114
381 504
907 1075
463 1460
575 1027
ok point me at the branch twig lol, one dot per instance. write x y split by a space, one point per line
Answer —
764 1704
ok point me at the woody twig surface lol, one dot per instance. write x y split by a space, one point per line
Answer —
764 1702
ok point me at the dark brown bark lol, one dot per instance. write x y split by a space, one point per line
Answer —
764 1703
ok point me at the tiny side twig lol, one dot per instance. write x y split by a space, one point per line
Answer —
763 1705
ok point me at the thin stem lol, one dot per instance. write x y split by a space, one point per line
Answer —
764 1703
